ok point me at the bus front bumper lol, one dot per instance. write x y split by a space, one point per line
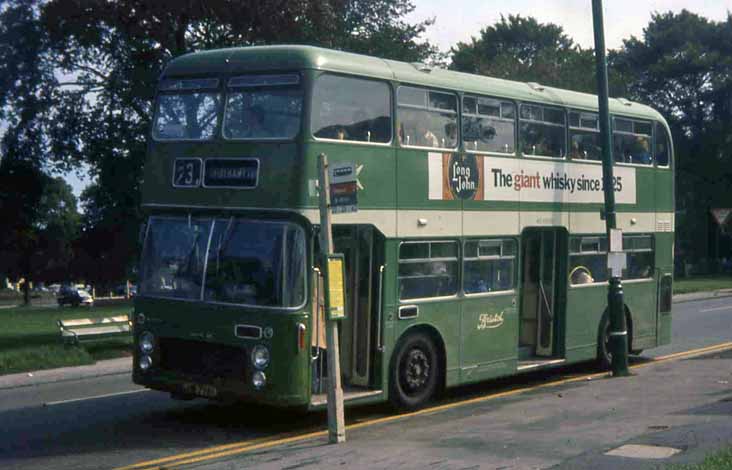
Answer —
221 390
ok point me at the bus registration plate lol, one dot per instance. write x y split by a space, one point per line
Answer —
201 390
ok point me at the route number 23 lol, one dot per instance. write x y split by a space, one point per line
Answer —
187 173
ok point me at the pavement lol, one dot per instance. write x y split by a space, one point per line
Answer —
716 294
667 412
122 365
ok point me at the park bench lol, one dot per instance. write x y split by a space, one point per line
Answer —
74 331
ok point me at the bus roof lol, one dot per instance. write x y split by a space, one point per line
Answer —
295 57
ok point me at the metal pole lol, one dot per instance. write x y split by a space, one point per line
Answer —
336 420
618 327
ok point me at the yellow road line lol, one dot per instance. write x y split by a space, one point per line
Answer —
693 352
228 450
249 448
208 450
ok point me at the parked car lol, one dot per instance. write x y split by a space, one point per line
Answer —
74 296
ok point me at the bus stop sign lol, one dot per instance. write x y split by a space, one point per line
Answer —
343 188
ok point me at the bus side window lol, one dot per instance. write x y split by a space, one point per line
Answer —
489 125
542 131
428 269
351 109
588 260
489 266
584 136
663 147
632 141
639 249
427 118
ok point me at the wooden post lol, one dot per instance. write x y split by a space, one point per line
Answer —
336 420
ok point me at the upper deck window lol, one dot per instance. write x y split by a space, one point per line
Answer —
427 118
542 131
489 125
187 109
663 146
263 107
584 136
632 141
351 109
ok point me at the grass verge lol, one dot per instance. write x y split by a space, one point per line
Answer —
686 285
30 339
719 461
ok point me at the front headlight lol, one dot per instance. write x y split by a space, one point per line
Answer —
260 356
259 380
146 342
145 363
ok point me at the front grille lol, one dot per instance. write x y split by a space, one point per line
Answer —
202 359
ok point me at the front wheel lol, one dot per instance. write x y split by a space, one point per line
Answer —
415 371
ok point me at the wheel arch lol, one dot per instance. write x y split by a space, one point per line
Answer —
628 323
436 336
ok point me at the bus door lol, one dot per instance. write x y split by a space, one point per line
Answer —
356 342
540 289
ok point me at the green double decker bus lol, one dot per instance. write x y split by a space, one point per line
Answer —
478 249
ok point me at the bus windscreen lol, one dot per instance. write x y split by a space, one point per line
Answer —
237 261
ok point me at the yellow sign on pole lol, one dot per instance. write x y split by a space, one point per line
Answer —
336 287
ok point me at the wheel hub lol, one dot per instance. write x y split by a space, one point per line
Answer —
417 370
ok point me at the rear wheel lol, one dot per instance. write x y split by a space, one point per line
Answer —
604 354
415 372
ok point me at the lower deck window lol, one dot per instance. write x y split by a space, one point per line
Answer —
588 258
639 249
428 269
489 266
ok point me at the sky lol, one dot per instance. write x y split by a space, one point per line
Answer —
459 20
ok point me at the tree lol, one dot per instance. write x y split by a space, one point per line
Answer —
26 101
109 55
40 222
522 49
682 66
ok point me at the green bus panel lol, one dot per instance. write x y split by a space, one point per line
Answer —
280 184
489 326
288 374
640 298
375 165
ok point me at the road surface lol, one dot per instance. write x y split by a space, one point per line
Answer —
108 422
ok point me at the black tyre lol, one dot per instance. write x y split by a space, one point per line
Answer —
415 372
604 356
